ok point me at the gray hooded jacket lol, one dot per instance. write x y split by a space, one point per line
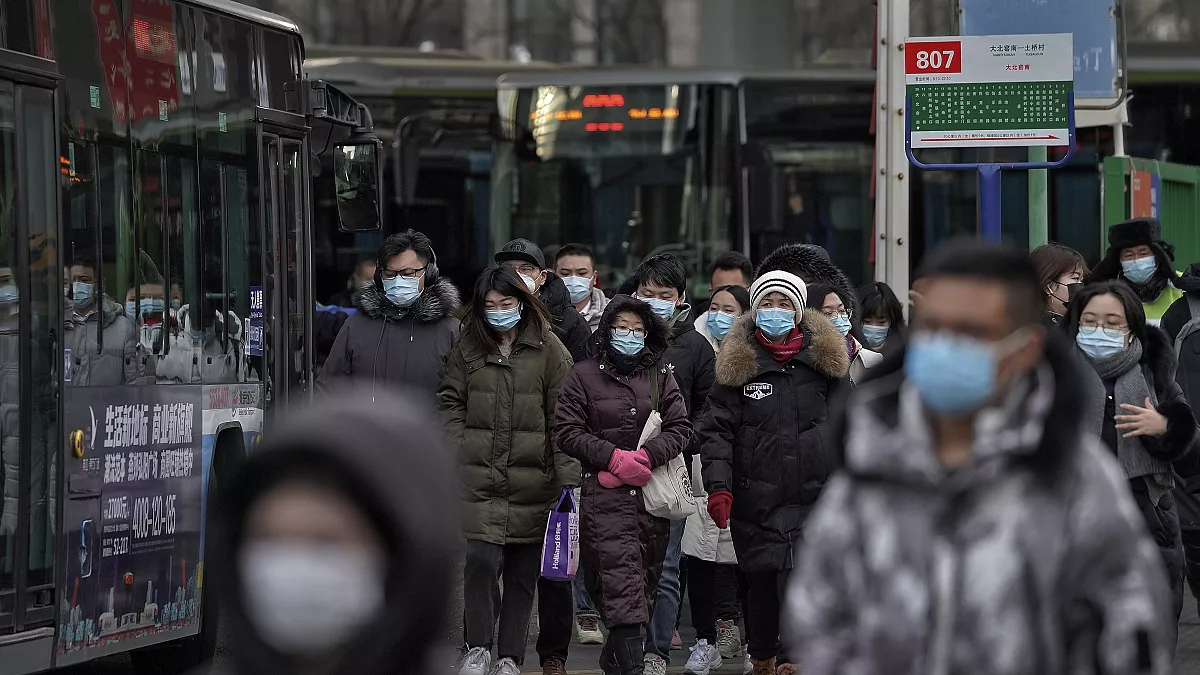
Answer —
1032 559
383 345
110 361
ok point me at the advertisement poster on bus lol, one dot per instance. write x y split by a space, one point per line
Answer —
133 518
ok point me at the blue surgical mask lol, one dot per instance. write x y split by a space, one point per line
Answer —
175 305
578 287
663 308
9 295
131 309
719 324
875 335
1098 344
1139 271
151 306
954 375
842 324
504 319
81 293
629 345
402 291
774 322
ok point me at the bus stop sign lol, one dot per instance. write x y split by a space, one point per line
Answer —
1096 57
989 91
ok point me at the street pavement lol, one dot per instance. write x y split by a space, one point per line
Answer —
584 660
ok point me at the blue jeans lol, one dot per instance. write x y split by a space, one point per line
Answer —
666 604
583 602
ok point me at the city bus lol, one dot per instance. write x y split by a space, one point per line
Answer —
641 160
437 176
155 304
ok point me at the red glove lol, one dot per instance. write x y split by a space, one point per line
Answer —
719 506
625 466
608 480
642 457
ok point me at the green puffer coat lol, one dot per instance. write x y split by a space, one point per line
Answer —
499 412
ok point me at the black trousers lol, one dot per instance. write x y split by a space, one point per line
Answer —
764 600
713 591
520 566
556 618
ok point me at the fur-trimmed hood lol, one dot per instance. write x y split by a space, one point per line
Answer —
742 358
434 304
811 263
657 333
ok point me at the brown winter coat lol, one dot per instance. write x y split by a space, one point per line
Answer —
600 410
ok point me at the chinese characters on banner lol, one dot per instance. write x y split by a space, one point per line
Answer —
139 59
1143 188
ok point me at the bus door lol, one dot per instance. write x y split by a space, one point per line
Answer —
288 303
30 326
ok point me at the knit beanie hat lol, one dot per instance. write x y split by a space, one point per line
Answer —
790 285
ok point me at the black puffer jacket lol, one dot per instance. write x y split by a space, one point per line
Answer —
385 345
762 437
569 325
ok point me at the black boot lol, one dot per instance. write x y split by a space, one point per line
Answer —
608 659
630 654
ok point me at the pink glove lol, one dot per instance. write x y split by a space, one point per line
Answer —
642 457
625 466
608 480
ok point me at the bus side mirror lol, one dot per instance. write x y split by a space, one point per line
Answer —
357 171
407 158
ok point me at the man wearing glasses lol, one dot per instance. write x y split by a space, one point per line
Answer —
526 259
405 326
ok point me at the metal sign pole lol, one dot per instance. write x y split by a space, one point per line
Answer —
990 208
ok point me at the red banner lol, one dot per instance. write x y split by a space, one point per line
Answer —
152 59
113 60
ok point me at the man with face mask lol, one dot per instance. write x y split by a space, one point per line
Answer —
974 495
405 326
1138 255
528 261
102 341
329 568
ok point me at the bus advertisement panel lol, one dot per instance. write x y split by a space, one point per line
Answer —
133 517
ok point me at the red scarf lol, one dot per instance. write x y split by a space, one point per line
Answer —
852 346
782 353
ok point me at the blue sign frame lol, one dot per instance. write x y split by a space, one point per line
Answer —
990 208
1092 23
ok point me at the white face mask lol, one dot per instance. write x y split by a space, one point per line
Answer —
307 598
530 282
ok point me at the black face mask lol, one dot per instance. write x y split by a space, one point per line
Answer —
1072 291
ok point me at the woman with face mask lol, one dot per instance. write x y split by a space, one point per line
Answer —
780 371
328 566
726 304
883 325
1137 408
604 405
828 300
1061 270
497 407
1138 255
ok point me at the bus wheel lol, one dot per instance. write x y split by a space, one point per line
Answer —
192 654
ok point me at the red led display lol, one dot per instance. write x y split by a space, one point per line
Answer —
604 126
604 101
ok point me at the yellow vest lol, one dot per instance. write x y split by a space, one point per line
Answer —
1156 309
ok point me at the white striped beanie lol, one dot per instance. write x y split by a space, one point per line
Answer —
786 283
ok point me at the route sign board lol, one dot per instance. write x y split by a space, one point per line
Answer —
1093 24
989 91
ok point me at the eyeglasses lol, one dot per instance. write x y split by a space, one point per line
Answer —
833 315
409 272
1090 327
626 332
526 269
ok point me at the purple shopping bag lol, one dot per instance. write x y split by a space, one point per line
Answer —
560 547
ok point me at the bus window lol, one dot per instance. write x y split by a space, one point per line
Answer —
10 359
299 303
245 270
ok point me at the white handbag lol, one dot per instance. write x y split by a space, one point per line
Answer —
669 492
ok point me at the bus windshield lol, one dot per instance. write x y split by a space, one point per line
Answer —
808 155
620 168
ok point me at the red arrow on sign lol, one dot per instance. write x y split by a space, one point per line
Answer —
990 138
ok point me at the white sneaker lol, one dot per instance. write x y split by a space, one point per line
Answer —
587 631
748 666
704 658
506 666
654 664
729 643
477 661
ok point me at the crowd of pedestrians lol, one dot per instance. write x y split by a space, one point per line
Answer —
1005 483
